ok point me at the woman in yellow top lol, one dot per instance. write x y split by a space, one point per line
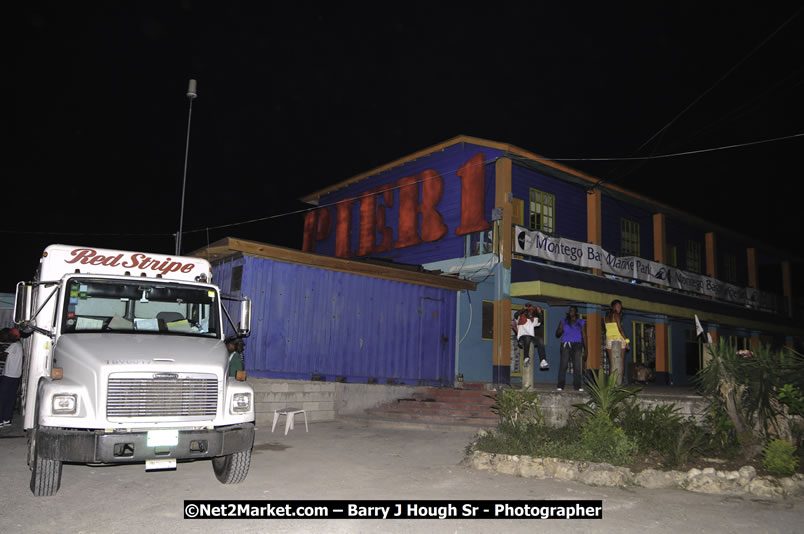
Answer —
616 340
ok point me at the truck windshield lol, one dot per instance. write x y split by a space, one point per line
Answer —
94 305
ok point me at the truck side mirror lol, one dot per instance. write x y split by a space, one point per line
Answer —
245 317
22 303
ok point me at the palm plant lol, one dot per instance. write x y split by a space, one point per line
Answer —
606 394
746 386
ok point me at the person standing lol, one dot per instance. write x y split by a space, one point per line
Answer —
616 340
235 357
572 331
10 380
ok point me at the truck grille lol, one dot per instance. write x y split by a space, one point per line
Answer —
162 397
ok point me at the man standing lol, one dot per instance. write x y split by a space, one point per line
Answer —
235 356
10 380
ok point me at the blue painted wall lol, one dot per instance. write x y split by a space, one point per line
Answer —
308 321
570 208
446 162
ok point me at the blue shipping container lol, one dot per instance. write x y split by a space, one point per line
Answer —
309 322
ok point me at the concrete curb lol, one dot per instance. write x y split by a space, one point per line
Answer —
709 480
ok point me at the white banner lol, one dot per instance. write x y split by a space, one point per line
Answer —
579 254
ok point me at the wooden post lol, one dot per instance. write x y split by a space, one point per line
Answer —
594 336
662 353
711 255
753 278
594 220
659 239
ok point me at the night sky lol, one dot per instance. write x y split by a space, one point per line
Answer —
295 98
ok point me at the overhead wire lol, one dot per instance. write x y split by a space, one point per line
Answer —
723 77
438 175
664 128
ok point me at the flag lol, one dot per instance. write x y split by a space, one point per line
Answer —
698 328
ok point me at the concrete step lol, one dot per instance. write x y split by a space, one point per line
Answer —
411 424
456 395
443 405
435 418
440 406
390 410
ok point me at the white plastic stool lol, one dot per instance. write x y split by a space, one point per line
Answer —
289 413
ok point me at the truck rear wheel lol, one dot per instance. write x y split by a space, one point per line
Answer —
45 473
232 468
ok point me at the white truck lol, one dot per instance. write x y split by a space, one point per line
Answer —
125 361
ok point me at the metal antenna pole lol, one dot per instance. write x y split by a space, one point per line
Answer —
192 94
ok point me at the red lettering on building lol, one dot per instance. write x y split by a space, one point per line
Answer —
343 226
317 227
408 214
373 213
386 232
368 222
473 196
433 227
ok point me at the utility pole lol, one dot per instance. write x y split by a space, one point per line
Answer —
192 94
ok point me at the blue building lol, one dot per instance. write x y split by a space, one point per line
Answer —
526 229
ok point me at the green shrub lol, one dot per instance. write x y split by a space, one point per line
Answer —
654 428
791 396
605 442
517 408
723 438
779 458
606 395
688 439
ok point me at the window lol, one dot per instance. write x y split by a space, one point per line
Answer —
730 268
237 278
114 306
644 343
672 256
488 320
629 238
737 342
542 211
693 256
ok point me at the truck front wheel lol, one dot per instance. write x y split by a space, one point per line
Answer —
232 468
45 473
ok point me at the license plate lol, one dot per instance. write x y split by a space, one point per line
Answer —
151 465
162 438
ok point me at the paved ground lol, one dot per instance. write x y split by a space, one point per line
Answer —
340 460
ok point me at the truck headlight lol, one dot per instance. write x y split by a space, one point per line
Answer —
65 404
241 402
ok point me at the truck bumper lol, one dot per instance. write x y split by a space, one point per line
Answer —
88 446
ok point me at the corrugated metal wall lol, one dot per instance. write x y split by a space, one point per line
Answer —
308 321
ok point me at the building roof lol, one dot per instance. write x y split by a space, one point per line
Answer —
229 246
